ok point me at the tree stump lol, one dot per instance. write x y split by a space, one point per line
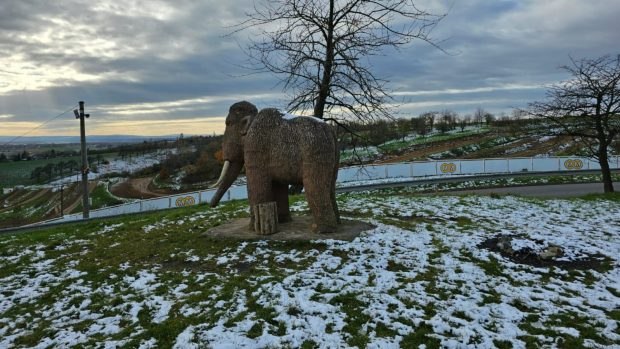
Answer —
265 218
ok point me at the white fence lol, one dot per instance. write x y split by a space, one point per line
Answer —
413 170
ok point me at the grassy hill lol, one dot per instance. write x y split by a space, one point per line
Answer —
421 276
18 172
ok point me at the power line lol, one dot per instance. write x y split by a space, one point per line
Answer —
41 125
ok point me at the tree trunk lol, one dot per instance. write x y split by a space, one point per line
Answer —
608 185
321 100
265 218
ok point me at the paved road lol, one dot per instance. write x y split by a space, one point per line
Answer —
548 190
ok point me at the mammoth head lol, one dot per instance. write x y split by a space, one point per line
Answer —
238 121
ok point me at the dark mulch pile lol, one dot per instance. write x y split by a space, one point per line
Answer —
528 256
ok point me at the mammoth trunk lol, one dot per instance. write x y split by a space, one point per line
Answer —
229 174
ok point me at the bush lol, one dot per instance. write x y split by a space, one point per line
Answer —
164 174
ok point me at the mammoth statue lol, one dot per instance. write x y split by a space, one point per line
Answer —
277 150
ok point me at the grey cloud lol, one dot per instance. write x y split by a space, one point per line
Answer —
491 43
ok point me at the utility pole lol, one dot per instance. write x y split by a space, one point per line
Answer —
62 201
80 115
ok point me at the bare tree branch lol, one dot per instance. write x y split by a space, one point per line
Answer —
319 49
586 107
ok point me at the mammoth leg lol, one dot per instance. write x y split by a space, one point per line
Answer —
280 193
259 189
318 193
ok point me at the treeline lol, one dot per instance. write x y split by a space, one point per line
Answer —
51 170
199 156
354 134
27 156
62 168
136 149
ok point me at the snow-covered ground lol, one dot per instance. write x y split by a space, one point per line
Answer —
119 165
419 278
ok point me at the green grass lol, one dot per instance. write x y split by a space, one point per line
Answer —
101 197
165 248
615 196
18 172
23 213
397 144
470 148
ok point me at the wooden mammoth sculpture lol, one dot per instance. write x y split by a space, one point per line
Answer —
279 150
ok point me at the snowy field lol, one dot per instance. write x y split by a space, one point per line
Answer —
418 280
119 165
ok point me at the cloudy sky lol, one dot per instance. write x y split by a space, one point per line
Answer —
162 67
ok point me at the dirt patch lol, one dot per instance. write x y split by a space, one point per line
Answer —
141 188
298 229
135 188
535 258
73 201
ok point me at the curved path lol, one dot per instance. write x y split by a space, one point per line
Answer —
546 190
135 188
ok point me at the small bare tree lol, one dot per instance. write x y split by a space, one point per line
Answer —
321 48
586 108
464 121
479 116
430 117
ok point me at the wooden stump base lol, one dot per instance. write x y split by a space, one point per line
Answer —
265 218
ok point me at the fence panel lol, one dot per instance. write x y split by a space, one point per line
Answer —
496 166
398 170
132 207
364 173
593 165
347 174
545 164
520 165
237 193
184 200
360 173
155 204
206 195
426 168
573 163
448 167
472 166
70 218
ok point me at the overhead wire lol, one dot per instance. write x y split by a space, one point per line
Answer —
39 126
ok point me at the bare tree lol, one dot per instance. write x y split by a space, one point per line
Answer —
464 121
489 118
587 108
430 119
479 116
420 125
321 48
404 128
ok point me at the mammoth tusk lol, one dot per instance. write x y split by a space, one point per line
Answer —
223 175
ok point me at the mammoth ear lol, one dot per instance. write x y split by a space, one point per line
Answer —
246 122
